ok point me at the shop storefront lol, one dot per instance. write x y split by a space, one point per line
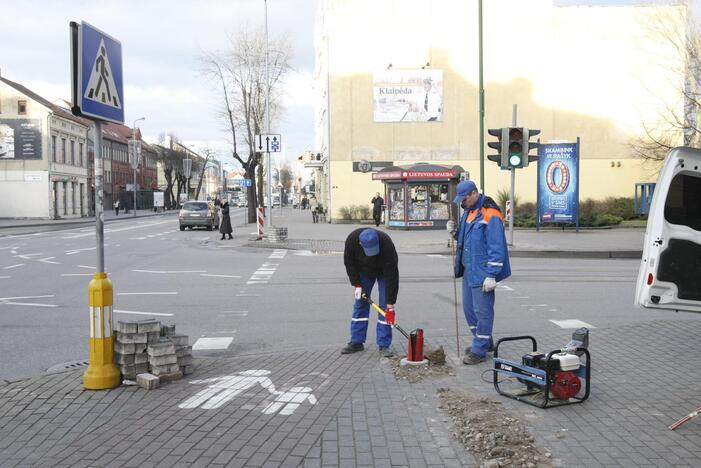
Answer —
419 196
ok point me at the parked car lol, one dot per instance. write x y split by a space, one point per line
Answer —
670 270
197 213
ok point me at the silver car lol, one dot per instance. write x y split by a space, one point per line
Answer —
197 213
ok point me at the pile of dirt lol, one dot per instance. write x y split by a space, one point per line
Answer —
494 436
436 368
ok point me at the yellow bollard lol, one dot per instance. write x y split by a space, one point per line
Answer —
102 373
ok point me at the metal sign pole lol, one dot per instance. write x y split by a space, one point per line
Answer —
99 196
513 186
269 207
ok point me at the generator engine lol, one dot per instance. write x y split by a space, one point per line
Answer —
551 379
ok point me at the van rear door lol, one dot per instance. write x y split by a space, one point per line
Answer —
670 270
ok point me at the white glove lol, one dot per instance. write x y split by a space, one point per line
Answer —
451 227
489 284
358 293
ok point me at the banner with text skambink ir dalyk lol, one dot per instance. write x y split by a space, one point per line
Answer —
558 183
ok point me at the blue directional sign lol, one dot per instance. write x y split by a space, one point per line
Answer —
99 90
247 182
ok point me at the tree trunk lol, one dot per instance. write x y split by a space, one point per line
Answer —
261 186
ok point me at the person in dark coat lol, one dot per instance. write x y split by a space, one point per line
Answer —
377 203
225 226
370 257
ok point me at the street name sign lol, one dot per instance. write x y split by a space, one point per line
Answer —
268 143
97 80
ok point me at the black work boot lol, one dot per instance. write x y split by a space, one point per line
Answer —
471 358
386 352
352 348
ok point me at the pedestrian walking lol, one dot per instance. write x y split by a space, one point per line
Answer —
225 226
304 202
370 257
377 202
481 259
116 208
313 205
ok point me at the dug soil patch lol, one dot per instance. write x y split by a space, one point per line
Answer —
436 368
493 435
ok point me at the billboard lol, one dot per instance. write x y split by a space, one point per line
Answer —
20 139
558 183
407 95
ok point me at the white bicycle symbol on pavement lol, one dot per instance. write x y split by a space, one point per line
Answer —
223 389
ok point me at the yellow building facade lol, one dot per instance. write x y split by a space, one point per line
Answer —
592 72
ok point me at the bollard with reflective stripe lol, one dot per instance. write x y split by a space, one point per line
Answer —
102 373
261 221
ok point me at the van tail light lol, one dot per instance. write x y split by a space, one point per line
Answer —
649 279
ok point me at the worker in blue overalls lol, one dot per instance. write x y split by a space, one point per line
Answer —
482 260
370 257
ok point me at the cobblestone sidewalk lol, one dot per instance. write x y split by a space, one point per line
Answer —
643 380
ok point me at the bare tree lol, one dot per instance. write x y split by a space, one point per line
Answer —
239 74
677 123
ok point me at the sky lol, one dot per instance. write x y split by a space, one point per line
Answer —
161 45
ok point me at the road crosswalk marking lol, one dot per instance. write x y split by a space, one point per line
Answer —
220 342
571 323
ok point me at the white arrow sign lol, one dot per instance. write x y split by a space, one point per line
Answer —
268 143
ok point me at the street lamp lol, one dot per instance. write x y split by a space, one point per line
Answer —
135 162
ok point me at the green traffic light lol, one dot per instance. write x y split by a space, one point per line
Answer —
515 160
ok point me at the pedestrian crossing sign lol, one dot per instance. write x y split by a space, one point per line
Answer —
98 86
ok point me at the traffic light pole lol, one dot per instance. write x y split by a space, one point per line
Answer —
481 96
513 186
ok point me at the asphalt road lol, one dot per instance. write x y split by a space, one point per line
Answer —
238 300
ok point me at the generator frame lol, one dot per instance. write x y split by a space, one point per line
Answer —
540 378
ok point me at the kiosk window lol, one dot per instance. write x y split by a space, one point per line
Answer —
396 203
439 201
683 204
418 203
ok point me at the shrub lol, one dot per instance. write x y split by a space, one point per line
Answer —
622 207
355 213
503 197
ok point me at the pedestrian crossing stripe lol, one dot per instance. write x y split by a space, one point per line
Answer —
101 86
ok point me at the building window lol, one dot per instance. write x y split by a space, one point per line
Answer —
21 107
53 148
80 155
73 153
63 150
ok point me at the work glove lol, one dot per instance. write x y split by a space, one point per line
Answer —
390 316
451 227
489 284
358 293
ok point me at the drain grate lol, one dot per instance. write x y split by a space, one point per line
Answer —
68 366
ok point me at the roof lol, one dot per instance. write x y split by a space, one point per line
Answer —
57 110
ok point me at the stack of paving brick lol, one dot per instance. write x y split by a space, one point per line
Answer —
162 360
131 343
183 351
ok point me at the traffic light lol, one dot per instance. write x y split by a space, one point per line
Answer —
530 132
501 145
519 146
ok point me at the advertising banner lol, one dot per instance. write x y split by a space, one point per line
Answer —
408 95
20 139
558 183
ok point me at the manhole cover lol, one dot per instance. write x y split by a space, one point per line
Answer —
68 366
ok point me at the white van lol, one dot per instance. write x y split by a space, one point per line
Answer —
670 270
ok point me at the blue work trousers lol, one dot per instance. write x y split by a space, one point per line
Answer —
479 313
361 314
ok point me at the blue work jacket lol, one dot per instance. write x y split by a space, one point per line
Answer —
481 244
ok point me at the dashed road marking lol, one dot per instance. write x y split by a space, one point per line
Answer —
165 293
222 342
76 274
219 276
29 256
48 260
13 266
278 253
86 266
571 323
161 272
235 313
136 312
11 301
435 255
